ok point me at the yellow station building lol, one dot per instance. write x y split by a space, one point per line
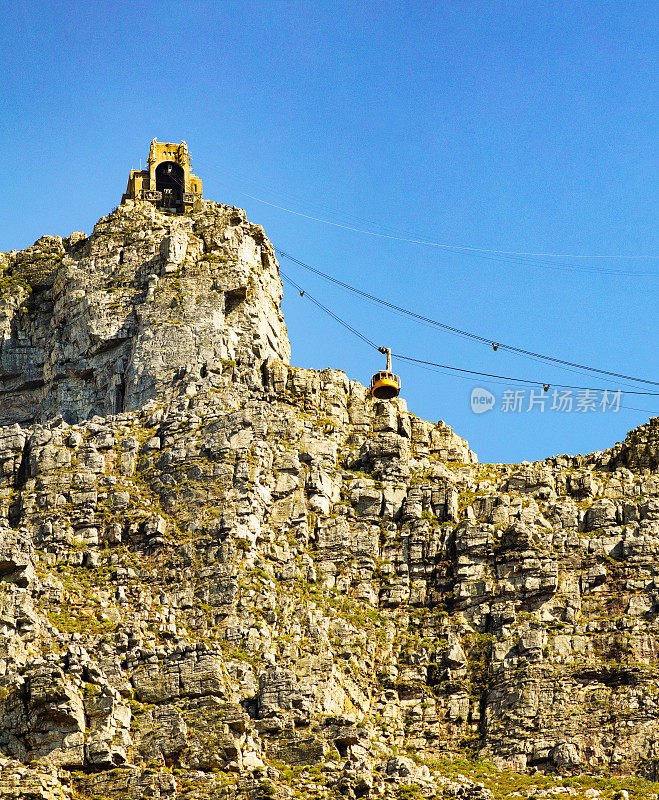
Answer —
167 182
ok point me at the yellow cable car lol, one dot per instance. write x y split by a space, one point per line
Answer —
385 385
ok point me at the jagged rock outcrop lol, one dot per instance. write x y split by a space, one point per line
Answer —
252 580
101 324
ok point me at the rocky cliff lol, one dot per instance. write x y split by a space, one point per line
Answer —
99 325
223 576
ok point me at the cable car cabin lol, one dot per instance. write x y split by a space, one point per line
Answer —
385 385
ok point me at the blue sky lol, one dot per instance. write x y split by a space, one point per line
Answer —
527 127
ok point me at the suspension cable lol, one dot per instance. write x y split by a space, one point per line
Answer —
545 384
494 343
422 240
324 308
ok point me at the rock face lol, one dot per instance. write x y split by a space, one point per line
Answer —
223 576
115 319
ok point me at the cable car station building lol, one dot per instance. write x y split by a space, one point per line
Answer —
167 182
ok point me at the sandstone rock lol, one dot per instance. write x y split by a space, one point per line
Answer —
55 718
216 563
130 339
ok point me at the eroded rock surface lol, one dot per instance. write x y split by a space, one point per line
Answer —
101 324
252 580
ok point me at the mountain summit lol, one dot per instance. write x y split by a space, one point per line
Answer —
101 324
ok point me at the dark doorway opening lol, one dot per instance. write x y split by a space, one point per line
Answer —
170 180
